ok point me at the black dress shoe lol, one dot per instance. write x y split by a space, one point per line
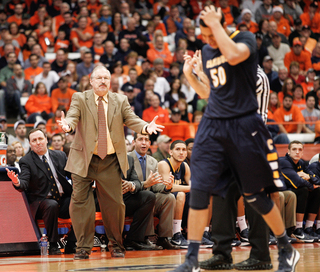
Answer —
217 262
154 246
81 255
54 251
133 245
165 243
117 253
253 264
70 247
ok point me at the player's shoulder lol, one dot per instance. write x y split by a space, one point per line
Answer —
237 36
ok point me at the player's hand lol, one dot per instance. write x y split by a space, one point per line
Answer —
197 62
188 64
211 16
153 127
303 175
13 176
169 182
126 186
153 178
63 123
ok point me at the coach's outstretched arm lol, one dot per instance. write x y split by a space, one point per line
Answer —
234 52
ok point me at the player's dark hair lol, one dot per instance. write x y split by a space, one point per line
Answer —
202 23
188 141
173 144
294 142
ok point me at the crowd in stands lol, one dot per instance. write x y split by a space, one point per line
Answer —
142 43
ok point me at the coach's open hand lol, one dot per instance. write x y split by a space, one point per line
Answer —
153 127
64 125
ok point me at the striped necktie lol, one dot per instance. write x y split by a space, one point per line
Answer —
102 130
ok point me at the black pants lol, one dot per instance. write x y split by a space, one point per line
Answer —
224 214
49 210
307 201
140 206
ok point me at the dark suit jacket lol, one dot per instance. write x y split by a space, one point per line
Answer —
34 177
132 176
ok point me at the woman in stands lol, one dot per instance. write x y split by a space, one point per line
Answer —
16 35
118 73
19 150
105 33
26 49
287 88
171 98
274 103
38 105
116 26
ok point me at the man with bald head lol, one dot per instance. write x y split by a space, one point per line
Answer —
131 33
98 152
182 33
36 49
108 58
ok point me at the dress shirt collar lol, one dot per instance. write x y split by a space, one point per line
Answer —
139 156
96 97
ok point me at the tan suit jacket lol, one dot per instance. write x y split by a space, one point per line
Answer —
83 116
151 165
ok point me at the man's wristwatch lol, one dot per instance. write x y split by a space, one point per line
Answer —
133 187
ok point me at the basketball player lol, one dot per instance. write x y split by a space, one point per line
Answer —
231 135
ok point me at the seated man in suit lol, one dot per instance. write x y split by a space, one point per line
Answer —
48 191
147 171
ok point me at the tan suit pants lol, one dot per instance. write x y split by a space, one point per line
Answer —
107 175
164 210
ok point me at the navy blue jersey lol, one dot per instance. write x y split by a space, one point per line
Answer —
233 88
178 173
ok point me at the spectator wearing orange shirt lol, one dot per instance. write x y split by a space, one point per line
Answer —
290 113
132 59
17 16
94 6
156 19
38 17
45 34
62 95
307 85
16 35
296 54
82 35
283 25
160 51
298 97
179 131
58 20
246 16
155 110
52 125
161 7
310 43
173 21
39 104
61 41
230 12
312 18
34 70
97 48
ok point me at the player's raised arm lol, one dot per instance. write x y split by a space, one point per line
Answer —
234 52
202 87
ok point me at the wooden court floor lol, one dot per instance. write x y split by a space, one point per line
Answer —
147 261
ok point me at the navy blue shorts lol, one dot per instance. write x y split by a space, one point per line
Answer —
240 146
